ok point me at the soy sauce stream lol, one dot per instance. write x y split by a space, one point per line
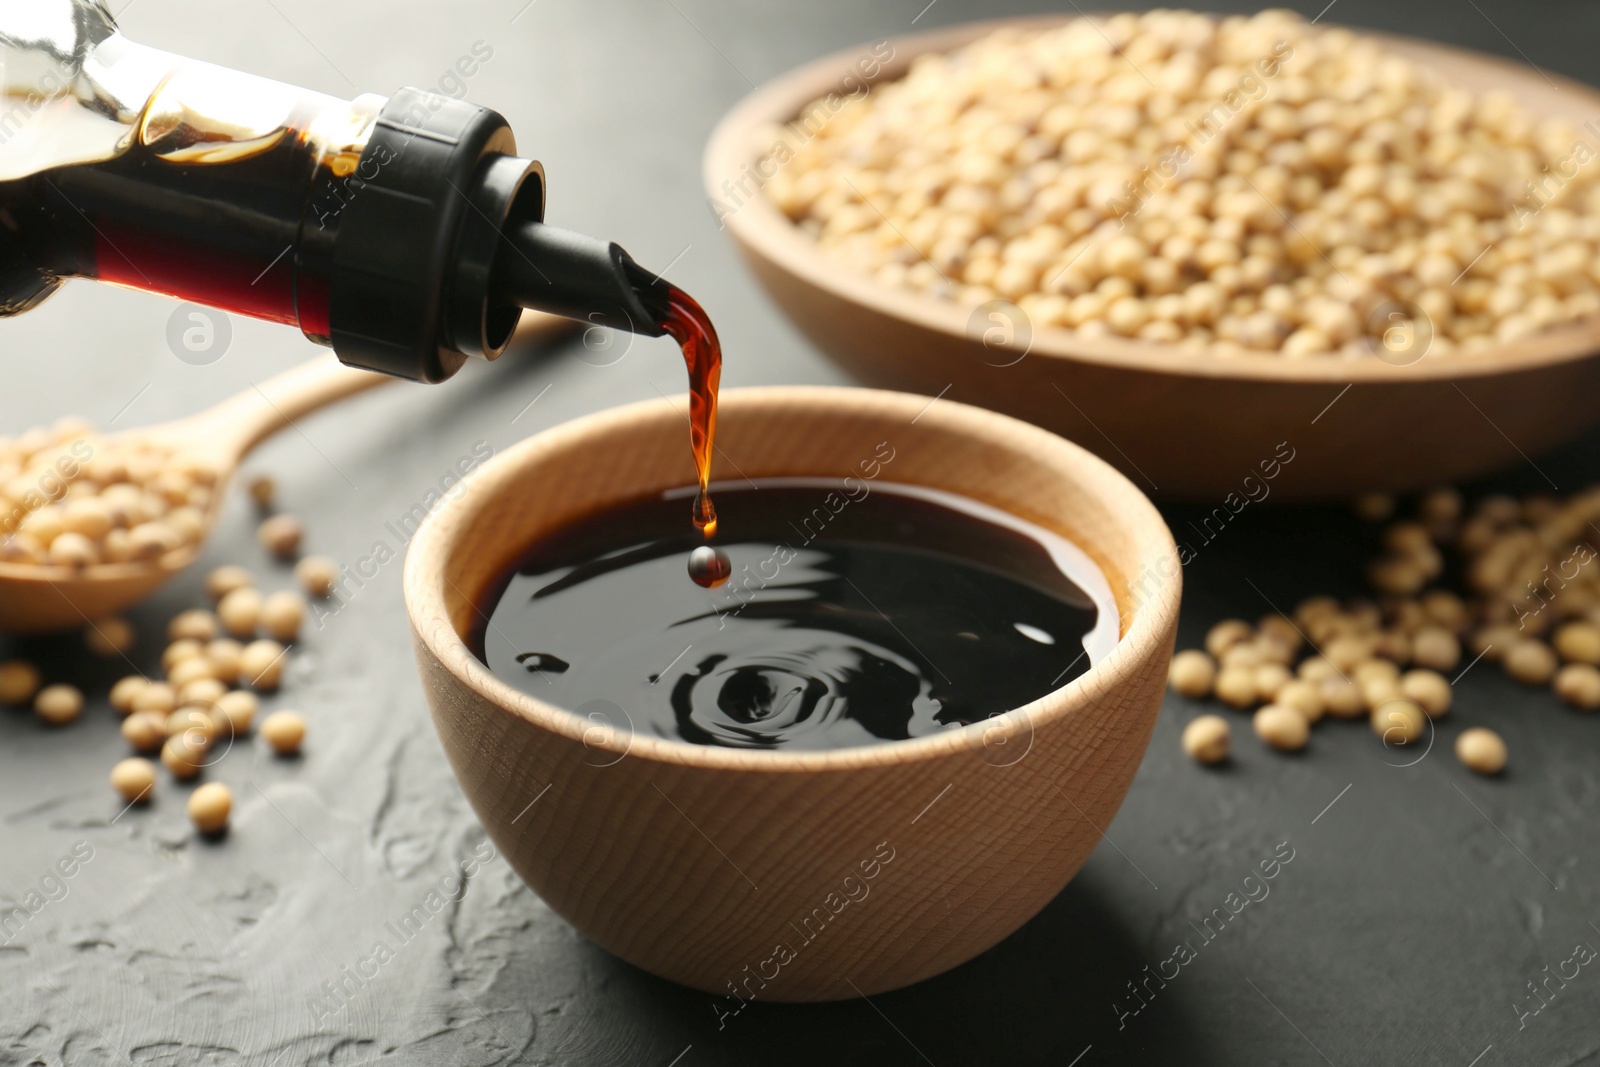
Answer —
688 324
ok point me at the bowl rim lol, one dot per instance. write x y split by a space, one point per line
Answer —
1143 635
762 230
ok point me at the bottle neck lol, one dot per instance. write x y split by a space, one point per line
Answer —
208 207
219 187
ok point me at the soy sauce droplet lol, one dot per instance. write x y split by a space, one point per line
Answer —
709 567
705 514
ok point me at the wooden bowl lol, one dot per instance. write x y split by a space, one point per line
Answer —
1182 425
795 875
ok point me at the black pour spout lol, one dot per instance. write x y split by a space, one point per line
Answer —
565 273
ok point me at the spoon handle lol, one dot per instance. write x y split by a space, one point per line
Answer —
248 418
244 420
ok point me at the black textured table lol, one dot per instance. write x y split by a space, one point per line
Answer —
1419 905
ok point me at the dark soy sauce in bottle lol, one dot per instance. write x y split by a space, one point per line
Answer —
849 617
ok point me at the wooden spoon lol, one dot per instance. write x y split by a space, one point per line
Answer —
45 598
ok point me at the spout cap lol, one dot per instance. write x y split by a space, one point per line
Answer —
409 287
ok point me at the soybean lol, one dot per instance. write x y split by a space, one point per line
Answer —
1192 674
1206 739
261 665
134 779
58 705
281 535
284 731
1285 729
19 681
317 575
210 806
1481 751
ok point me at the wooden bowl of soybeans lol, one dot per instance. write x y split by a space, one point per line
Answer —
1196 246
